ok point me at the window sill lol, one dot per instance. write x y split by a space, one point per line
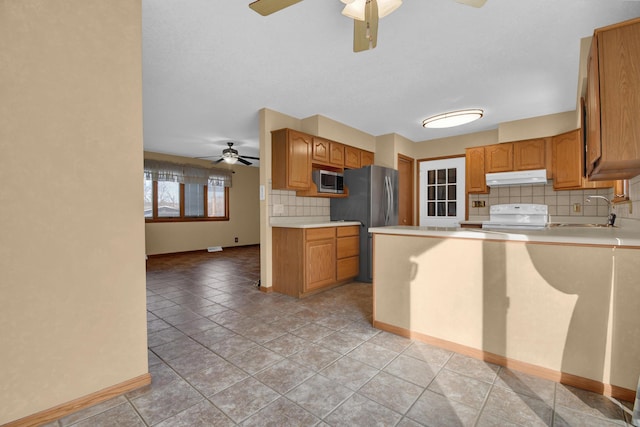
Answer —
195 219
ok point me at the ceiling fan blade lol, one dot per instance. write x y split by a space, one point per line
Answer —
249 157
365 33
267 7
243 161
474 3
219 160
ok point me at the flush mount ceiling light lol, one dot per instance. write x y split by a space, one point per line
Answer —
354 9
453 118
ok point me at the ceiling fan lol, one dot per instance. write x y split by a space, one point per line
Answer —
230 155
365 15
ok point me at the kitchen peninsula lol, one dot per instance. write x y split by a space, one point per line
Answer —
561 303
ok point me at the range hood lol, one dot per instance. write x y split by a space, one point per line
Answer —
536 176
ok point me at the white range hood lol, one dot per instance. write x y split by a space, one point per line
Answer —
536 176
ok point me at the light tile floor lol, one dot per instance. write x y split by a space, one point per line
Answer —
222 353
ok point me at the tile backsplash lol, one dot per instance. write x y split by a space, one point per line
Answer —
286 203
283 203
561 203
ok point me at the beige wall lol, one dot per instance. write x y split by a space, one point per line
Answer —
244 220
73 317
537 127
546 305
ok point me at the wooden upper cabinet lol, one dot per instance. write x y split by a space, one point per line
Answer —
336 154
613 85
476 182
498 158
327 152
366 158
321 149
351 157
291 160
530 154
567 160
568 163
592 116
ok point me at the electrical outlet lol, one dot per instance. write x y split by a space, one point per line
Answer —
236 239
478 204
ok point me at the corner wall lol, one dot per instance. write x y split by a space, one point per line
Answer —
73 319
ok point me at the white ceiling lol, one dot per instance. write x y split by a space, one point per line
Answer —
209 66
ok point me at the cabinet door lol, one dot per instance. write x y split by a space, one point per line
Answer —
321 149
348 268
348 247
619 77
568 163
366 158
593 108
530 154
498 158
320 257
336 156
298 162
351 157
567 160
476 181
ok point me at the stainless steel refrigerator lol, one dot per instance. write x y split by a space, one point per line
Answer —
373 200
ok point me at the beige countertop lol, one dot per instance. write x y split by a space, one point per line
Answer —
619 236
309 222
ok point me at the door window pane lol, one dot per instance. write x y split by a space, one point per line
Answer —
451 209
442 176
431 192
431 177
431 209
452 175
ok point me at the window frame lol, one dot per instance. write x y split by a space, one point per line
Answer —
182 218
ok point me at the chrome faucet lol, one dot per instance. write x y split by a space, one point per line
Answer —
611 219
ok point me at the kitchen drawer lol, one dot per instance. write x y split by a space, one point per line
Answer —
348 268
351 230
348 246
320 233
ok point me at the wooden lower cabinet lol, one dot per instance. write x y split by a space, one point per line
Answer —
308 260
348 252
320 260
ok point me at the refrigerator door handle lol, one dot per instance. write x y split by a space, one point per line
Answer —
389 195
391 206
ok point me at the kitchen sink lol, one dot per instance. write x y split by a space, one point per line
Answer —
589 225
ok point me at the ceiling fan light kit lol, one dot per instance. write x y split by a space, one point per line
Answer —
355 9
365 15
452 118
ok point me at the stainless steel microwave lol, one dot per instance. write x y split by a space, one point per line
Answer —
328 181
